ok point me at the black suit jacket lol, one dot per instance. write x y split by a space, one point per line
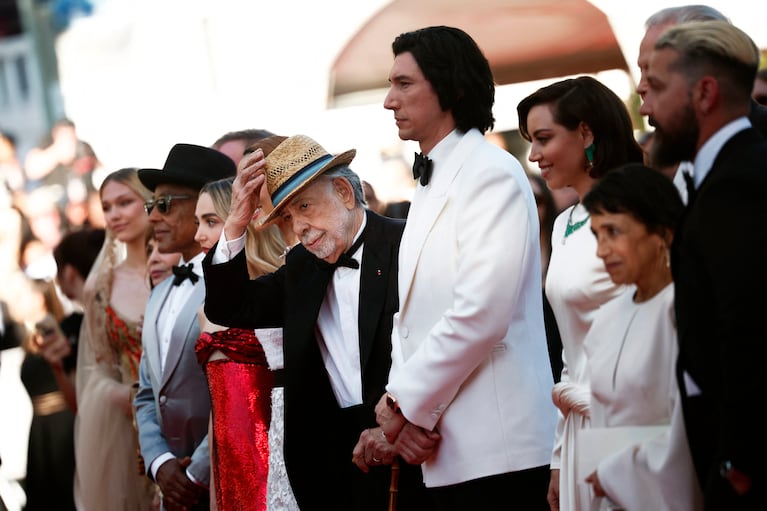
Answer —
719 264
319 435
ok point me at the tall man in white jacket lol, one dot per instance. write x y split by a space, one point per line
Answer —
469 356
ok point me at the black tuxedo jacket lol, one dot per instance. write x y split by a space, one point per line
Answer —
719 264
319 435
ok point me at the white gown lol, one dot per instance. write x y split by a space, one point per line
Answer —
632 350
577 285
279 494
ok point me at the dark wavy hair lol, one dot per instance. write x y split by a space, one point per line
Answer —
80 249
457 70
639 191
586 100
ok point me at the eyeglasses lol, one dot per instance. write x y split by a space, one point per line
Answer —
162 203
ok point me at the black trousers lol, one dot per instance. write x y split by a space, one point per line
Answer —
524 490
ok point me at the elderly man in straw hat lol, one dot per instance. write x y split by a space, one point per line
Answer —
335 297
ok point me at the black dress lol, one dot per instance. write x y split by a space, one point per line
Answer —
49 482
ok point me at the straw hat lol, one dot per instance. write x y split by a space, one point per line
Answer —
295 164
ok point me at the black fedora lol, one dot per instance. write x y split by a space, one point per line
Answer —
189 165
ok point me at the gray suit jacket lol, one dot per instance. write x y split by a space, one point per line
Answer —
173 406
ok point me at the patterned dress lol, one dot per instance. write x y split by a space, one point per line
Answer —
111 478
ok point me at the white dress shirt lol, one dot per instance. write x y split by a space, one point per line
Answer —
166 319
337 325
338 331
174 302
706 155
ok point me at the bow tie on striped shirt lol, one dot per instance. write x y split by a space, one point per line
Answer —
181 273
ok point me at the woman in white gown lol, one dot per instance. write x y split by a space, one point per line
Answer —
579 129
632 349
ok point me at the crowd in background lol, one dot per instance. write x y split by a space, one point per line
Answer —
86 252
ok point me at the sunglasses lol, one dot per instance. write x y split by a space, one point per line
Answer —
162 203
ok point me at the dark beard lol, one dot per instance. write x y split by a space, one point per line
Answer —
675 143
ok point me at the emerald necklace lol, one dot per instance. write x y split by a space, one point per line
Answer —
572 227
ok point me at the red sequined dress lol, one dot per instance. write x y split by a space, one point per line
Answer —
242 412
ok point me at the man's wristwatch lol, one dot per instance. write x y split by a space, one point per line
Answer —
725 468
392 403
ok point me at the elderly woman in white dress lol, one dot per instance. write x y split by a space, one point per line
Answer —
637 433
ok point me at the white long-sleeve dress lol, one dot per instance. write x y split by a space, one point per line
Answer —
632 351
577 285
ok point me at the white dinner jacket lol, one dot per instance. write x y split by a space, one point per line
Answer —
468 345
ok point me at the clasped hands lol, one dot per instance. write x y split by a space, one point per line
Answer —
179 493
395 436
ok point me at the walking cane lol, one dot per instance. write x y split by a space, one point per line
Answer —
394 485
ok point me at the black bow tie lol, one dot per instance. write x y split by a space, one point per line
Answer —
690 182
181 273
346 258
422 167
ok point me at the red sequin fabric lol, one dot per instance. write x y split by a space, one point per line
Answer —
240 395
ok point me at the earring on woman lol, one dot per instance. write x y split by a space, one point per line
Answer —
590 154
665 255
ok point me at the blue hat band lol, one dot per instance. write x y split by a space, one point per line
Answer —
297 179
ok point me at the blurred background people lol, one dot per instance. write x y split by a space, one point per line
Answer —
49 481
234 143
51 386
374 203
46 226
12 178
74 256
579 129
632 348
760 87
108 355
62 164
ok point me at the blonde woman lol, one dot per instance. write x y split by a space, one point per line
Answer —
110 473
246 437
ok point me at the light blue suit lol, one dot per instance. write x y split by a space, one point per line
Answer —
173 406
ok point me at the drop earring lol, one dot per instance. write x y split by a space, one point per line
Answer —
590 153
